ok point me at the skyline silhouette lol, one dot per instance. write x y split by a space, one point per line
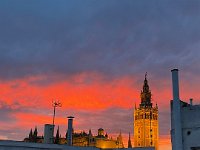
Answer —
92 56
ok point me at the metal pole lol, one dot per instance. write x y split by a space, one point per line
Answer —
55 104
54 112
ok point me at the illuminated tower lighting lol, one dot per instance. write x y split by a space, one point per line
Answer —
146 120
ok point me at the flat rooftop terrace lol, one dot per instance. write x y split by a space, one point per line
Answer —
17 145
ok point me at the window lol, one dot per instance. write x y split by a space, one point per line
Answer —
189 132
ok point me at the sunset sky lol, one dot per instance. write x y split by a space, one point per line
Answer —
92 55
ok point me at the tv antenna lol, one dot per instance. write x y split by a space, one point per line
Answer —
55 103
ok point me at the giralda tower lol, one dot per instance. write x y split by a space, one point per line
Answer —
146 120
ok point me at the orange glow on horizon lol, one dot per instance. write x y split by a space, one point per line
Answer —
30 99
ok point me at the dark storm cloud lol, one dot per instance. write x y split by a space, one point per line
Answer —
6 111
111 37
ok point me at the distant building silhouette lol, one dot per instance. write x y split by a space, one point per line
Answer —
101 140
33 137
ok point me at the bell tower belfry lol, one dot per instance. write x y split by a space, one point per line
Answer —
146 120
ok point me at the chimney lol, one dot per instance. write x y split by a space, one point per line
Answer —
175 84
48 133
69 131
176 125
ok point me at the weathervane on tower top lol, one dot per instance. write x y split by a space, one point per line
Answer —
146 75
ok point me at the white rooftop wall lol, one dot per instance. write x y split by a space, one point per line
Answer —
190 117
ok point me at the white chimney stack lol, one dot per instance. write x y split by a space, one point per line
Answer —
175 84
176 111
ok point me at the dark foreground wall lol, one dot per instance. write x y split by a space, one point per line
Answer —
15 145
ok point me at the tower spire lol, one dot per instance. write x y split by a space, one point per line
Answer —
31 134
129 141
57 139
145 75
145 86
145 94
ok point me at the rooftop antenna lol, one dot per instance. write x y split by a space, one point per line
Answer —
55 103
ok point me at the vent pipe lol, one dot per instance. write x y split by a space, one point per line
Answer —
70 130
177 143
